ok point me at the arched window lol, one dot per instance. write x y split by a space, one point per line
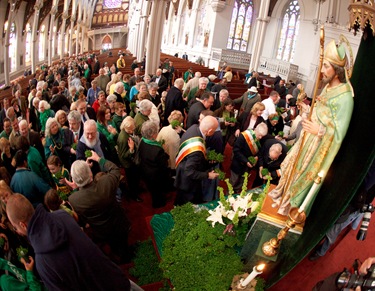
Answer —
12 47
106 43
289 32
112 4
240 25
28 44
42 42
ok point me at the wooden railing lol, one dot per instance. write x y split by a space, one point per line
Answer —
235 59
275 67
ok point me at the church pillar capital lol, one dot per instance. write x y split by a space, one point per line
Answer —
218 5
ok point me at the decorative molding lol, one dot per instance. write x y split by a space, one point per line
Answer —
361 16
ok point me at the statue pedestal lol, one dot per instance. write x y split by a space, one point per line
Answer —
266 226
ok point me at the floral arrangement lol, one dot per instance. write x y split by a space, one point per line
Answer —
233 208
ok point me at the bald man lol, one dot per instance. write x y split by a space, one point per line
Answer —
65 256
191 164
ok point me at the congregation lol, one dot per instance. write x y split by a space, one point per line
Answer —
83 136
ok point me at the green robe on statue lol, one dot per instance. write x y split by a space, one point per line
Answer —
332 112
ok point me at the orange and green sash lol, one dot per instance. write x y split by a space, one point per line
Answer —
189 146
251 141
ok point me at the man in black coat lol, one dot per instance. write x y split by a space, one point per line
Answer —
271 155
86 112
65 256
191 165
205 102
246 145
160 80
174 100
253 81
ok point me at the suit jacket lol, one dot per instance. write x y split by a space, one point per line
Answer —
246 103
244 120
241 153
193 168
194 112
173 101
253 82
265 162
91 113
163 83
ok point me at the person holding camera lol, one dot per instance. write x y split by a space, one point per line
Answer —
359 209
363 278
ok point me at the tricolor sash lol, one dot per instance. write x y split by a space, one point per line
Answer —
189 146
251 141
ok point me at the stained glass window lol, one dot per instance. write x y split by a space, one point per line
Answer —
112 3
240 26
12 47
28 43
289 32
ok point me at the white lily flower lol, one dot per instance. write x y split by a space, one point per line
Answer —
215 216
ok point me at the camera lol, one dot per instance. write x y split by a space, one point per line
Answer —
351 281
367 209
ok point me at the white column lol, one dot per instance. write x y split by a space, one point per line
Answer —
34 52
155 33
193 19
51 33
142 30
77 36
62 34
72 19
7 42
260 28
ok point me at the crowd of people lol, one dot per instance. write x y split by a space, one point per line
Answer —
84 136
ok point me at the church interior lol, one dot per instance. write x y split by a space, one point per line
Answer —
278 39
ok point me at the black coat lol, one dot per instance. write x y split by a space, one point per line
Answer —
173 101
163 83
241 153
194 112
193 168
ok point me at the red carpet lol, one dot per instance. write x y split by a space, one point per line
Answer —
303 277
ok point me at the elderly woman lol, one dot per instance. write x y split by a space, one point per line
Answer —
80 94
111 101
100 101
154 115
58 142
144 110
153 164
126 153
170 135
72 93
106 127
45 112
62 118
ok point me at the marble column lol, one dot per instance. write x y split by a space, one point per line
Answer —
260 29
62 34
72 20
33 51
77 36
51 33
155 33
193 21
7 43
142 30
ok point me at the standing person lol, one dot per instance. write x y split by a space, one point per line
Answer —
154 164
174 100
126 154
205 102
160 80
191 164
270 104
104 214
248 99
58 243
324 133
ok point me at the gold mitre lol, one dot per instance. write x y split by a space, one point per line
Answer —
335 55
